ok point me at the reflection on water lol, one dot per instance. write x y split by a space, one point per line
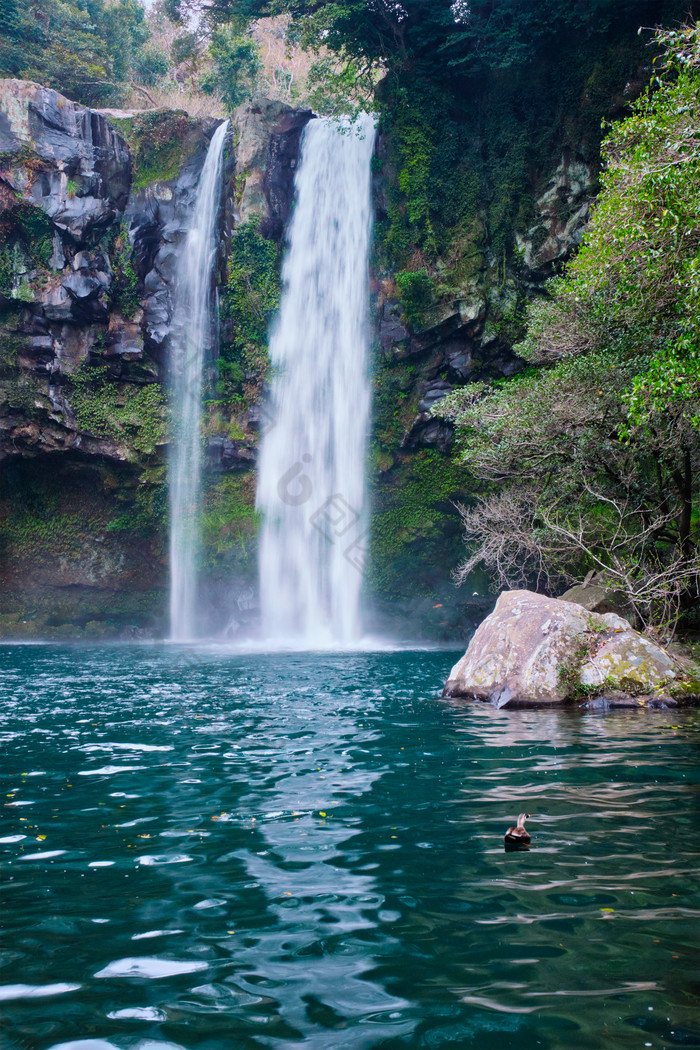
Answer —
208 850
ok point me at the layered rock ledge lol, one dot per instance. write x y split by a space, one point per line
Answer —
534 651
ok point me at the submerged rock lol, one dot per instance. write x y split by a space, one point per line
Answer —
534 651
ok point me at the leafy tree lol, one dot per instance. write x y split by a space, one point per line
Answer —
150 66
236 65
185 48
637 276
437 38
87 49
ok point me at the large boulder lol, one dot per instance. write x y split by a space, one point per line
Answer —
534 651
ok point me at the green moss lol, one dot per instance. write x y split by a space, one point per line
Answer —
26 240
126 294
160 143
10 345
19 393
394 405
415 533
6 269
36 231
569 674
248 304
38 517
417 296
230 522
133 415
58 516
145 514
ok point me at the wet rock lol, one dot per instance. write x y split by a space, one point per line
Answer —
534 651
435 392
631 661
433 433
614 700
225 454
83 287
158 218
392 331
124 337
460 361
56 302
268 134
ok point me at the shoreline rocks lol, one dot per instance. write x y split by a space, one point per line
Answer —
534 651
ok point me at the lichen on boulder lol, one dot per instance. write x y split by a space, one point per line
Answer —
534 651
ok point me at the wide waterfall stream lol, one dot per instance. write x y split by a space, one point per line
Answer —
212 851
311 486
191 345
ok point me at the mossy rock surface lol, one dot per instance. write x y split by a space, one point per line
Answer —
161 142
534 651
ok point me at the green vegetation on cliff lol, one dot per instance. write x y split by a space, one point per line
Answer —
80 548
160 142
413 525
26 246
597 455
134 416
248 305
230 524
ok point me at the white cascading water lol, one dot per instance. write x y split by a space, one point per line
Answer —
311 487
191 342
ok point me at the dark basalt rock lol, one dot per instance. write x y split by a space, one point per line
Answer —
391 330
225 454
158 218
68 144
435 392
69 163
434 433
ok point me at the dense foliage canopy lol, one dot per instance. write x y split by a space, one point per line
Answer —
435 38
87 49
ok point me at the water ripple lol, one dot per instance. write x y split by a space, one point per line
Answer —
337 876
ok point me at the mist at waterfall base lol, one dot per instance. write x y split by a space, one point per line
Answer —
311 482
191 347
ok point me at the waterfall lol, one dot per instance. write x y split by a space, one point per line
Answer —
311 486
192 334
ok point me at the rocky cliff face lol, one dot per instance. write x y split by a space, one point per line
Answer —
267 149
92 213
468 338
87 275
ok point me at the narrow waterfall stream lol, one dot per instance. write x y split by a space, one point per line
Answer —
311 486
191 342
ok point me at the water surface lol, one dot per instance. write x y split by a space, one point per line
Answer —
208 850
